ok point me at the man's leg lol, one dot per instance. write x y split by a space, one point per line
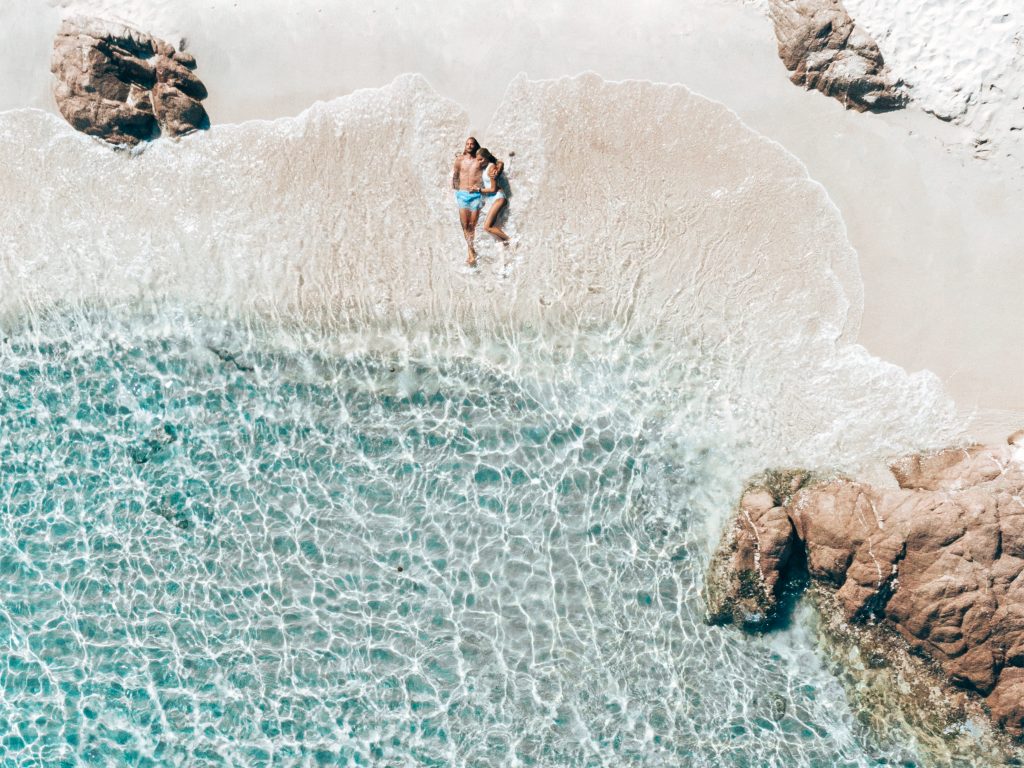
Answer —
470 235
465 216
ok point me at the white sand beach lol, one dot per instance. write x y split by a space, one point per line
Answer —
932 206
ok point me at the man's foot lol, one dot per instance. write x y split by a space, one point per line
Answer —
471 261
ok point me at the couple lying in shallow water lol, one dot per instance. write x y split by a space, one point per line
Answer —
476 181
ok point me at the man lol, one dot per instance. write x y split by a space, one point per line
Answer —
467 177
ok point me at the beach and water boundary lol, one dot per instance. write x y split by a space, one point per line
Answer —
934 227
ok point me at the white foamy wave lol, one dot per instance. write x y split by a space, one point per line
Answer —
636 205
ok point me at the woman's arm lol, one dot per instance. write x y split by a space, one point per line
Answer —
492 186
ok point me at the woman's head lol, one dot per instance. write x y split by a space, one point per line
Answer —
485 154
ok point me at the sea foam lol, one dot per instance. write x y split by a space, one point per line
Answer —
640 205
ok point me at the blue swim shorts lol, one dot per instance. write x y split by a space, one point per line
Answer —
472 201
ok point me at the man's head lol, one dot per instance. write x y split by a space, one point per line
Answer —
472 145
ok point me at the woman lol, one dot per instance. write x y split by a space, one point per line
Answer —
492 192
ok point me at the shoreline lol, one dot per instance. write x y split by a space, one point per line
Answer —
935 228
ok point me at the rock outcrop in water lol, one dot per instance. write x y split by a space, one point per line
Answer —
937 562
123 85
824 49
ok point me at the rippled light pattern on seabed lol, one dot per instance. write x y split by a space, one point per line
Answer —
234 552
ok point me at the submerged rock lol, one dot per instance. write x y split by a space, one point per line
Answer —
234 358
123 85
824 49
154 444
937 563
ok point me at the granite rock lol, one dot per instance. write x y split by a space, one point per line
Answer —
122 85
939 561
824 49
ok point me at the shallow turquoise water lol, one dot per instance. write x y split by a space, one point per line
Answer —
217 548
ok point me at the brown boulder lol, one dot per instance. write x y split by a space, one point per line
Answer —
185 59
951 469
177 112
123 85
1006 701
824 49
171 73
938 562
744 580
116 122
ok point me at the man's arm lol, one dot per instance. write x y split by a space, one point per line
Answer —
455 174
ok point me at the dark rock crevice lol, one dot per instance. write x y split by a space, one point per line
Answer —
873 608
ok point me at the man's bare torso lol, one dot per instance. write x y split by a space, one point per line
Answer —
471 172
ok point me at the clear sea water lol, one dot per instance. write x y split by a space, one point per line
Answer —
220 547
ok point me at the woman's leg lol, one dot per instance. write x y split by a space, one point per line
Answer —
492 216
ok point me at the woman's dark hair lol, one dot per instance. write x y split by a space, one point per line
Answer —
486 155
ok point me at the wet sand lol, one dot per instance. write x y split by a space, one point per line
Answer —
938 230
